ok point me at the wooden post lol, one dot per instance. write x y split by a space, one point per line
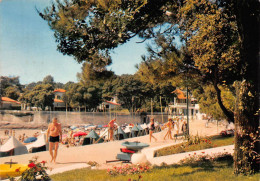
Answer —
109 113
151 106
66 112
161 108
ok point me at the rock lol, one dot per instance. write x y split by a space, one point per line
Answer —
139 158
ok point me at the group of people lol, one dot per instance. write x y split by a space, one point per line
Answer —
54 134
112 126
9 133
169 126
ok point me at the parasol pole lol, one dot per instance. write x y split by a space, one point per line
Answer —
110 112
152 106
161 107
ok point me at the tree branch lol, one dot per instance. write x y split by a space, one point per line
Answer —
228 114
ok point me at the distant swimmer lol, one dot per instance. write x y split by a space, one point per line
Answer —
54 136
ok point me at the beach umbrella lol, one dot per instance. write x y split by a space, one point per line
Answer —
157 126
80 133
128 131
90 127
64 136
100 126
131 125
134 131
30 140
104 134
145 128
91 137
39 145
141 130
92 134
120 134
12 147
73 127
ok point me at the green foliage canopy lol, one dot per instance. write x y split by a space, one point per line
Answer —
40 96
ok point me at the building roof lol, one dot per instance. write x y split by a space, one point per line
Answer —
114 103
59 90
7 99
58 100
180 94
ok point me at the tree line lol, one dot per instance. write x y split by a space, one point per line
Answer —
132 93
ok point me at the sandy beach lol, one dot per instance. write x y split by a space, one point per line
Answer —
102 152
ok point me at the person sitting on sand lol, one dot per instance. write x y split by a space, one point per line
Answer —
23 137
54 134
36 134
169 129
151 130
111 128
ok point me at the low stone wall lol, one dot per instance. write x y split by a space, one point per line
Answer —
42 118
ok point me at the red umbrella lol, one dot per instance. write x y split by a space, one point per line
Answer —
80 133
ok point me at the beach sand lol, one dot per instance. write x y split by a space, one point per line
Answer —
100 153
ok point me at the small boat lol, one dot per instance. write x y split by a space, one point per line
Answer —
134 145
12 170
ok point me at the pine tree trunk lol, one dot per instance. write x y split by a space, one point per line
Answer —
246 153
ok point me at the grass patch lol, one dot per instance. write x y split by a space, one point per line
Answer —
216 171
195 144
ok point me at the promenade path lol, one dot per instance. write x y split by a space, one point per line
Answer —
77 157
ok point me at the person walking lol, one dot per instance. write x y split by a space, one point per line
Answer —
111 128
54 136
169 129
151 130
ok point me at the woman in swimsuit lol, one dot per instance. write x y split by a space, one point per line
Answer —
169 126
151 129
54 136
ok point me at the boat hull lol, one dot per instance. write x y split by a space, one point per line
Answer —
134 145
13 170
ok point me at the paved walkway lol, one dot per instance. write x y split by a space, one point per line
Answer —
176 158
77 157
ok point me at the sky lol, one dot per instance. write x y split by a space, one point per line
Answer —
28 48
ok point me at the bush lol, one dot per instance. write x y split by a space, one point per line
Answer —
129 169
195 143
36 170
202 158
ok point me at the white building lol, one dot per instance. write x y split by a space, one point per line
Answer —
106 105
179 106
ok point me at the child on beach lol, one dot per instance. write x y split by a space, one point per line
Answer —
54 136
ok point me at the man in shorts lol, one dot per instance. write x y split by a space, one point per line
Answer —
54 136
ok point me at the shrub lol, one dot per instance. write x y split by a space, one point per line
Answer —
129 169
202 158
93 163
193 144
36 170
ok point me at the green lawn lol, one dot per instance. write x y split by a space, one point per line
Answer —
216 171
214 141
